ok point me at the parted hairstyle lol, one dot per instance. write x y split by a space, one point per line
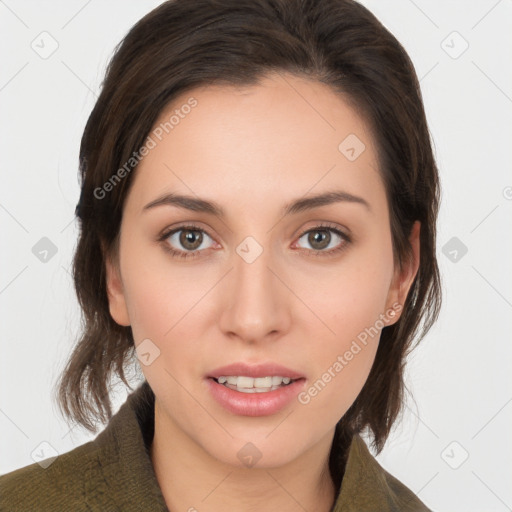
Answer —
184 44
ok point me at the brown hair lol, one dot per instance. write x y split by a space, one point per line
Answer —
181 45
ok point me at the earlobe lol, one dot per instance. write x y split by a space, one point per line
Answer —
403 279
115 294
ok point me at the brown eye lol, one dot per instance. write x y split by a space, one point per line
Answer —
190 240
319 240
325 240
186 241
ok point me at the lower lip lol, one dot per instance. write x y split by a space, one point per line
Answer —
254 404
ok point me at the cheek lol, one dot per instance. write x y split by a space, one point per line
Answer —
161 295
350 303
343 357
166 308
350 297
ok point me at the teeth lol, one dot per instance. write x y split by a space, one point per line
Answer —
244 382
253 385
260 382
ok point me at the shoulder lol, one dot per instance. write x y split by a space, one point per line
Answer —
367 485
113 472
49 485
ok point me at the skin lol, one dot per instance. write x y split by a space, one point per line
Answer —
252 150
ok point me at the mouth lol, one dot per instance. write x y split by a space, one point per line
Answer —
245 384
254 390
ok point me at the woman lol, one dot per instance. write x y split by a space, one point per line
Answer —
258 226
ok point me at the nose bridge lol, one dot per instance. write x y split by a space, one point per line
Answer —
255 309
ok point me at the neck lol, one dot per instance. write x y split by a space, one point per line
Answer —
192 480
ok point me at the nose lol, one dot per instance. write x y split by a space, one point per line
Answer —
254 302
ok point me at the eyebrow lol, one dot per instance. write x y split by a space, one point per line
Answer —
197 204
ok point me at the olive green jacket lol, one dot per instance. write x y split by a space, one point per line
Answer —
114 473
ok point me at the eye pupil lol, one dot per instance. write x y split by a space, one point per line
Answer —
187 237
324 237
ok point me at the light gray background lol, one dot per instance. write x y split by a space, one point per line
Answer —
459 376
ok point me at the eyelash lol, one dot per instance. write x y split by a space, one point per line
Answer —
193 254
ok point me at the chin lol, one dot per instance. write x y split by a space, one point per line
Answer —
255 452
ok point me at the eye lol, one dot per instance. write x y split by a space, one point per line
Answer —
322 241
185 241
189 241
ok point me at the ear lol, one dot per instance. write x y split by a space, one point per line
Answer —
115 293
402 280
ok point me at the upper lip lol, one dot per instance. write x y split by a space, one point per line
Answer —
255 370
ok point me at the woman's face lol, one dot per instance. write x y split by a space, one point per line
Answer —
308 287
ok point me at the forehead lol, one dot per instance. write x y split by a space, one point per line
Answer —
278 139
